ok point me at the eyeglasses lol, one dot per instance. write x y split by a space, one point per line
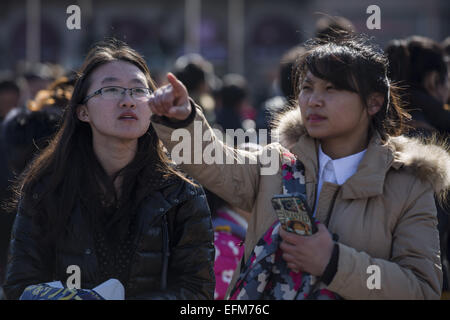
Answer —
116 93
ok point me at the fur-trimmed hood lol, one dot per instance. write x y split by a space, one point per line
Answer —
430 159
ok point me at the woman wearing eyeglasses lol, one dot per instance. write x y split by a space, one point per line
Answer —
98 198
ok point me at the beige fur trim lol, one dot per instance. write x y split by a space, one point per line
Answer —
429 158
288 127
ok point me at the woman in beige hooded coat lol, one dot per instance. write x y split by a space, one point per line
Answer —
380 203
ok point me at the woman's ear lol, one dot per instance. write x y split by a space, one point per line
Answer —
374 103
82 113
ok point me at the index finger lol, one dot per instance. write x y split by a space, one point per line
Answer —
177 85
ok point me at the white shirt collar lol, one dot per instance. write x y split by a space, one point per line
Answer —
343 168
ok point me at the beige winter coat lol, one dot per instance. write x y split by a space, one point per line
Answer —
384 214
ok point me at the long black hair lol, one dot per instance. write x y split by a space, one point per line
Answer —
68 171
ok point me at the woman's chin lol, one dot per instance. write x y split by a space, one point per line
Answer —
127 136
130 136
131 133
316 133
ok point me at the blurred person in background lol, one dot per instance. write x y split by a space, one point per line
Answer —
55 97
9 100
24 133
286 91
230 226
28 130
197 74
419 66
104 195
234 108
9 96
38 76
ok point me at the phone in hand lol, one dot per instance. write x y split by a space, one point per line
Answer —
294 213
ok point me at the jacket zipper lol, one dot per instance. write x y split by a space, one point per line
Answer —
330 209
316 185
166 253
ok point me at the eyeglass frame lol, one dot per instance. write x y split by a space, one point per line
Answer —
99 92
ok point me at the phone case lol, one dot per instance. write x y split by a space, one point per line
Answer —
293 213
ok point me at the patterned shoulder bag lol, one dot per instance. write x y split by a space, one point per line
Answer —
265 275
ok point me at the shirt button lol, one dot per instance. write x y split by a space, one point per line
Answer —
192 192
88 251
35 196
176 201
161 209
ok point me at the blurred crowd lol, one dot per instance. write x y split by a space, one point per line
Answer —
33 100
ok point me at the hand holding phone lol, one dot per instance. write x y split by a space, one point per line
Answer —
294 213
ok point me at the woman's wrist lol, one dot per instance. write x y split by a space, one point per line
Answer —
174 123
331 268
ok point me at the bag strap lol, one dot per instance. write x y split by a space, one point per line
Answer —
293 173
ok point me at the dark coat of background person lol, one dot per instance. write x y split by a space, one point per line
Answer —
412 61
9 99
173 216
23 133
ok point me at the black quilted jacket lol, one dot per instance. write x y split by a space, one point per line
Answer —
174 254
